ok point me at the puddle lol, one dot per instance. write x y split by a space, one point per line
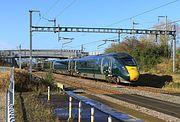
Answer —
60 103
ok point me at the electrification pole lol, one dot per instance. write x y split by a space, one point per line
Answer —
20 56
134 23
82 49
174 51
119 37
166 39
97 30
30 63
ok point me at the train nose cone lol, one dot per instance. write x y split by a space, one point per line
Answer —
133 73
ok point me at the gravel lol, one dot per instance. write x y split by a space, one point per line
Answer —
159 96
139 108
128 90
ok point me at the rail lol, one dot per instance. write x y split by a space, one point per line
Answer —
9 95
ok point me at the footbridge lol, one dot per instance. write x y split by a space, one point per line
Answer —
25 53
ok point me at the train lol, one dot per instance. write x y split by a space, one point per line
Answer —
113 67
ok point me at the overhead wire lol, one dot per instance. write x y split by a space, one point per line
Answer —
61 12
165 24
48 10
93 42
52 6
68 6
97 50
142 13
129 18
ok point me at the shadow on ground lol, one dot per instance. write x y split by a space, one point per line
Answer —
152 80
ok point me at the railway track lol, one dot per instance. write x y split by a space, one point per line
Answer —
83 85
93 86
154 104
133 86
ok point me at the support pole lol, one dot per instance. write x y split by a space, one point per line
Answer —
119 37
109 119
92 114
82 48
30 65
174 51
79 115
70 108
20 56
30 57
48 93
13 82
174 55
166 37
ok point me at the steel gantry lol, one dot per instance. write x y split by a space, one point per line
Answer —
99 30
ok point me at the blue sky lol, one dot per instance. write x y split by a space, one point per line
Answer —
14 21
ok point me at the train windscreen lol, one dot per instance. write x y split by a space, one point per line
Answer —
127 61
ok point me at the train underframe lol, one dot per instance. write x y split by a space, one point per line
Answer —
109 78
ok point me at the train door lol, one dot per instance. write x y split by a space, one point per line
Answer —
72 68
75 66
106 66
69 66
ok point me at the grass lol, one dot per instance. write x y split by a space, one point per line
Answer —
165 68
23 84
173 86
4 81
30 109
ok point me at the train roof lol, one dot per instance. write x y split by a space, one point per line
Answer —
120 55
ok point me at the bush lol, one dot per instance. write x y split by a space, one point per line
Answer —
23 84
49 76
147 53
4 81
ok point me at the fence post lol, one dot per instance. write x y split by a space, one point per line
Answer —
7 109
79 116
48 93
13 82
70 108
109 118
92 114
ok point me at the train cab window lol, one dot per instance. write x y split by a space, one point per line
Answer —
114 63
129 61
126 61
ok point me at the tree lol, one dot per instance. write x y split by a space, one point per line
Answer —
147 53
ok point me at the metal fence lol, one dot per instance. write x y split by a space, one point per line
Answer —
9 95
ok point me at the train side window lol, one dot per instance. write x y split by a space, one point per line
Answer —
97 63
82 64
114 63
105 62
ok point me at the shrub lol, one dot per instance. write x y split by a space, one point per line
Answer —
23 84
147 53
4 81
49 76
